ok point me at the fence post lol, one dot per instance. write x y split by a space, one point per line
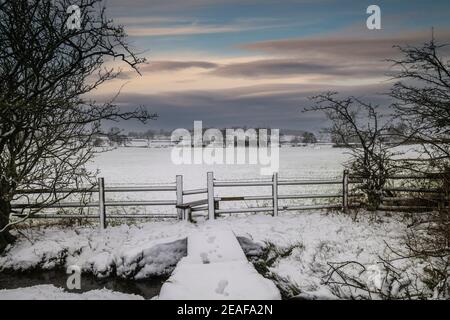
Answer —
187 214
216 205
275 194
101 203
345 191
210 186
179 191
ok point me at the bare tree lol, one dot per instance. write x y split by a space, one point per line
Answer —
422 101
358 126
47 126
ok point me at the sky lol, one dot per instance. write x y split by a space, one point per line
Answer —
254 63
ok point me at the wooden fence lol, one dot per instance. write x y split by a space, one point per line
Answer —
211 204
413 198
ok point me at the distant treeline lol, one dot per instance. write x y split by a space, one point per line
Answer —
300 136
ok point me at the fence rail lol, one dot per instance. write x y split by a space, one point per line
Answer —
102 203
274 183
211 203
417 198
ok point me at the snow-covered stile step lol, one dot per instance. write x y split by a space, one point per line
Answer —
216 268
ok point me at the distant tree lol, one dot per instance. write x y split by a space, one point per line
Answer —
114 135
355 120
396 133
97 142
149 134
295 141
47 126
309 137
133 134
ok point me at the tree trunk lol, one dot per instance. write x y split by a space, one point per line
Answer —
6 238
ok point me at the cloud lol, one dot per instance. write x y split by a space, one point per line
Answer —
332 57
343 48
151 28
283 73
166 66
180 30
327 59
276 106
277 68
158 66
183 5
143 20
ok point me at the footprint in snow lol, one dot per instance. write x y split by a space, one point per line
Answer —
204 257
221 287
211 239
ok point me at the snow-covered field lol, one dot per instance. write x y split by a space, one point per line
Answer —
152 166
147 166
140 166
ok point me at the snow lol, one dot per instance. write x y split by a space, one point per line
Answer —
214 245
136 251
319 239
149 166
154 248
235 280
143 166
50 292
217 268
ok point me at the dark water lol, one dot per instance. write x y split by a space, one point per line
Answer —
147 288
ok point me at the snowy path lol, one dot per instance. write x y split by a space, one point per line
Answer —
216 268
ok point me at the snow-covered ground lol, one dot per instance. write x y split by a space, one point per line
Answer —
50 292
136 251
299 247
144 166
147 166
154 248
